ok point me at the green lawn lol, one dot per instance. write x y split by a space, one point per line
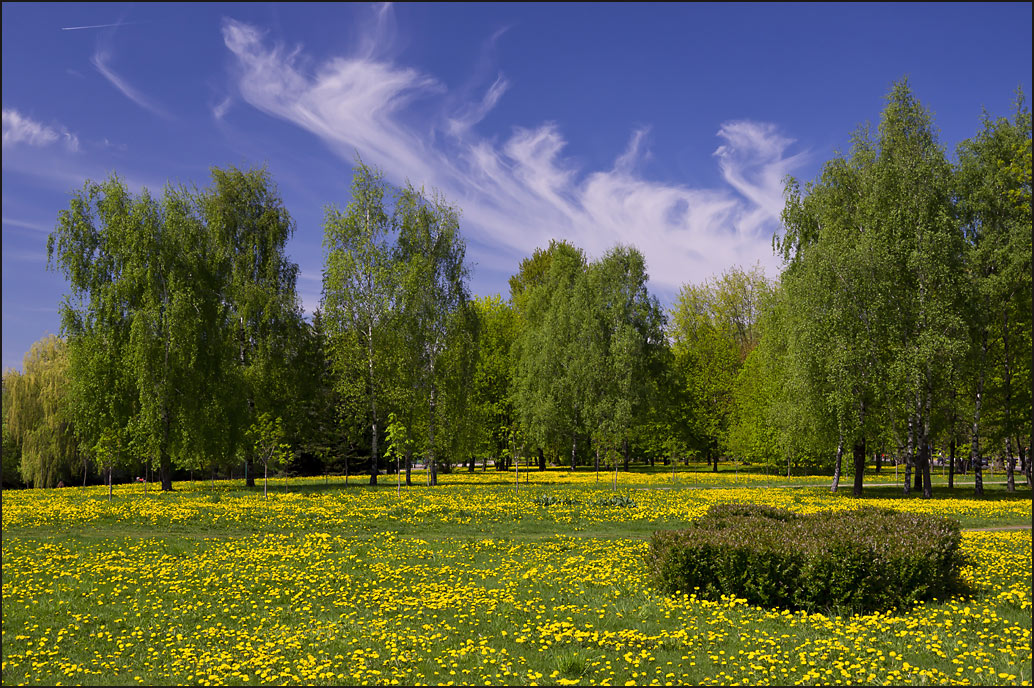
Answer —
463 583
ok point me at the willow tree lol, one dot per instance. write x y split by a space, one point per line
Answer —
38 414
264 331
142 317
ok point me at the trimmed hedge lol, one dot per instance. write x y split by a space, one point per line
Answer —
852 561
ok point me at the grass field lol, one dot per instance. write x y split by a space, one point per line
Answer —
468 582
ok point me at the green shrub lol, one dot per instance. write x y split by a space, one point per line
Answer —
852 561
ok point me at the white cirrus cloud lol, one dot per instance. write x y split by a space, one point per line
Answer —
17 128
519 193
102 61
220 110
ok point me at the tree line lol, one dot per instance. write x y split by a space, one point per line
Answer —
900 326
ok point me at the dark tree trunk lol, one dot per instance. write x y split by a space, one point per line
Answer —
877 458
373 452
859 466
951 465
409 466
714 462
470 464
1010 466
1026 464
1010 458
924 464
542 460
574 446
165 467
975 459
164 460
837 464
926 458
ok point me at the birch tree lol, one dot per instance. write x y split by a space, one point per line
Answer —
360 287
433 300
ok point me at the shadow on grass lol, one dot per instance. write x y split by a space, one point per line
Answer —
992 493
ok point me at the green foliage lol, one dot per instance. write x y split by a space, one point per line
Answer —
260 367
491 406
11 456
397 439
437 327
994 189
360 288
553 500
623 501
267 438
182 314
37 415
713 329
618 345
547 389
858 561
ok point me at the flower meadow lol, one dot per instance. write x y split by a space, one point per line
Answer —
465 583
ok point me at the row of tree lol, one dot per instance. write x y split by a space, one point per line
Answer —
901 323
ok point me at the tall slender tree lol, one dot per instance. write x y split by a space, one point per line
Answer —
546 385
263 332
360 288
993 190
433 302
618 338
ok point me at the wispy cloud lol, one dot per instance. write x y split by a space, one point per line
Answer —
101 59
98 26
23 224
220 110
518 193
472 113
15 256
17 128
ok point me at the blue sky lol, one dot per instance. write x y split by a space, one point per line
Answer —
669 127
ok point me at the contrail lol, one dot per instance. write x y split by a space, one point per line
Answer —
97 26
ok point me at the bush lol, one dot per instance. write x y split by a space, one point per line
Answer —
853 561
